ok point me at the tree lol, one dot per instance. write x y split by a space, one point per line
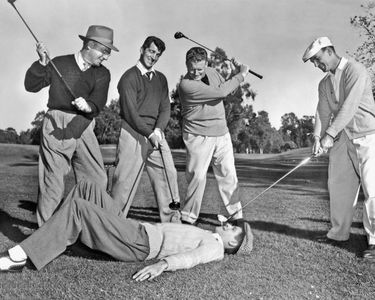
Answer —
290 128
9 136
37 124
365 53
108 123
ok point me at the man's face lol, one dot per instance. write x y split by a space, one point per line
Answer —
150 56
322 60
197 70
229 234
97 53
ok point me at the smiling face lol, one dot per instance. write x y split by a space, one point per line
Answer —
231 235
150 56
323 60
196 69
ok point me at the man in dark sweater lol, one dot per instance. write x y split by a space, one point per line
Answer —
145 112
68 139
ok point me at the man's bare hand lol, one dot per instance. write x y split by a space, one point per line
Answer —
43 53
156 138
150 272
326 142
317 150
82 105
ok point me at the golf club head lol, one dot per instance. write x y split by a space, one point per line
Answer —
174 205
179 35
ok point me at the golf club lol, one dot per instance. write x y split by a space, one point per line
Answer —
50 61
126 207
180 35
174 205
223 219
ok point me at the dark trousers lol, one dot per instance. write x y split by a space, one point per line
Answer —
91 216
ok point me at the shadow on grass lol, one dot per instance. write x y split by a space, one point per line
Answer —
27 205
9 227
356 243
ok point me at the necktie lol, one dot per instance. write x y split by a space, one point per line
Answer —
149 75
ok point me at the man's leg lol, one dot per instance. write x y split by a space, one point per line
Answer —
365 152
199 151
157 173
54 163
78 219
343 186
131 152
226 176
87 160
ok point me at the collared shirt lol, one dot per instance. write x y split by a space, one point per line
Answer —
143 69
183 246
336 77
81 62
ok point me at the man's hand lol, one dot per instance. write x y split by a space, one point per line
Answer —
151 271
156 137
326 142
317 150
240 68
82 105
43 53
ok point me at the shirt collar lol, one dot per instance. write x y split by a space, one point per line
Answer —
341 66
81 62
218 238
143 69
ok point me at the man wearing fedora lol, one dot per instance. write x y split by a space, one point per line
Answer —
145 112
68 139
90 215
345 124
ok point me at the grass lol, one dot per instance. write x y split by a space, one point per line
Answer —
286 263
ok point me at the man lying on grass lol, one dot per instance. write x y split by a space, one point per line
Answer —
91 216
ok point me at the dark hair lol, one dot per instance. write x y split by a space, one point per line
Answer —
240 237
153 39
196 54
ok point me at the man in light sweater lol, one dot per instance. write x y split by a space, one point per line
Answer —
205 133
145 113
90 215
345 124
68 138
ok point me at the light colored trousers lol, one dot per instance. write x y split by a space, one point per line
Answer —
351 164
134 152
65 143
201 150
90 215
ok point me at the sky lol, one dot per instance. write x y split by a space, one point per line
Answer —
268 35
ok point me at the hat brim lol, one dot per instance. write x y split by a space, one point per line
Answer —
247 243
108 45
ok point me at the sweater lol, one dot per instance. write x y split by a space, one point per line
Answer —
354 111
144 103
92 84
183 246
202 106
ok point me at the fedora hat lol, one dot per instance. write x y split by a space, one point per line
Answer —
100 34
315 46
247 243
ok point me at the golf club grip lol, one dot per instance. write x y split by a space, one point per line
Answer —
255 74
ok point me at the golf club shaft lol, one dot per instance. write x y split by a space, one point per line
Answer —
250 71
52 64
166 174
132 188
276 182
